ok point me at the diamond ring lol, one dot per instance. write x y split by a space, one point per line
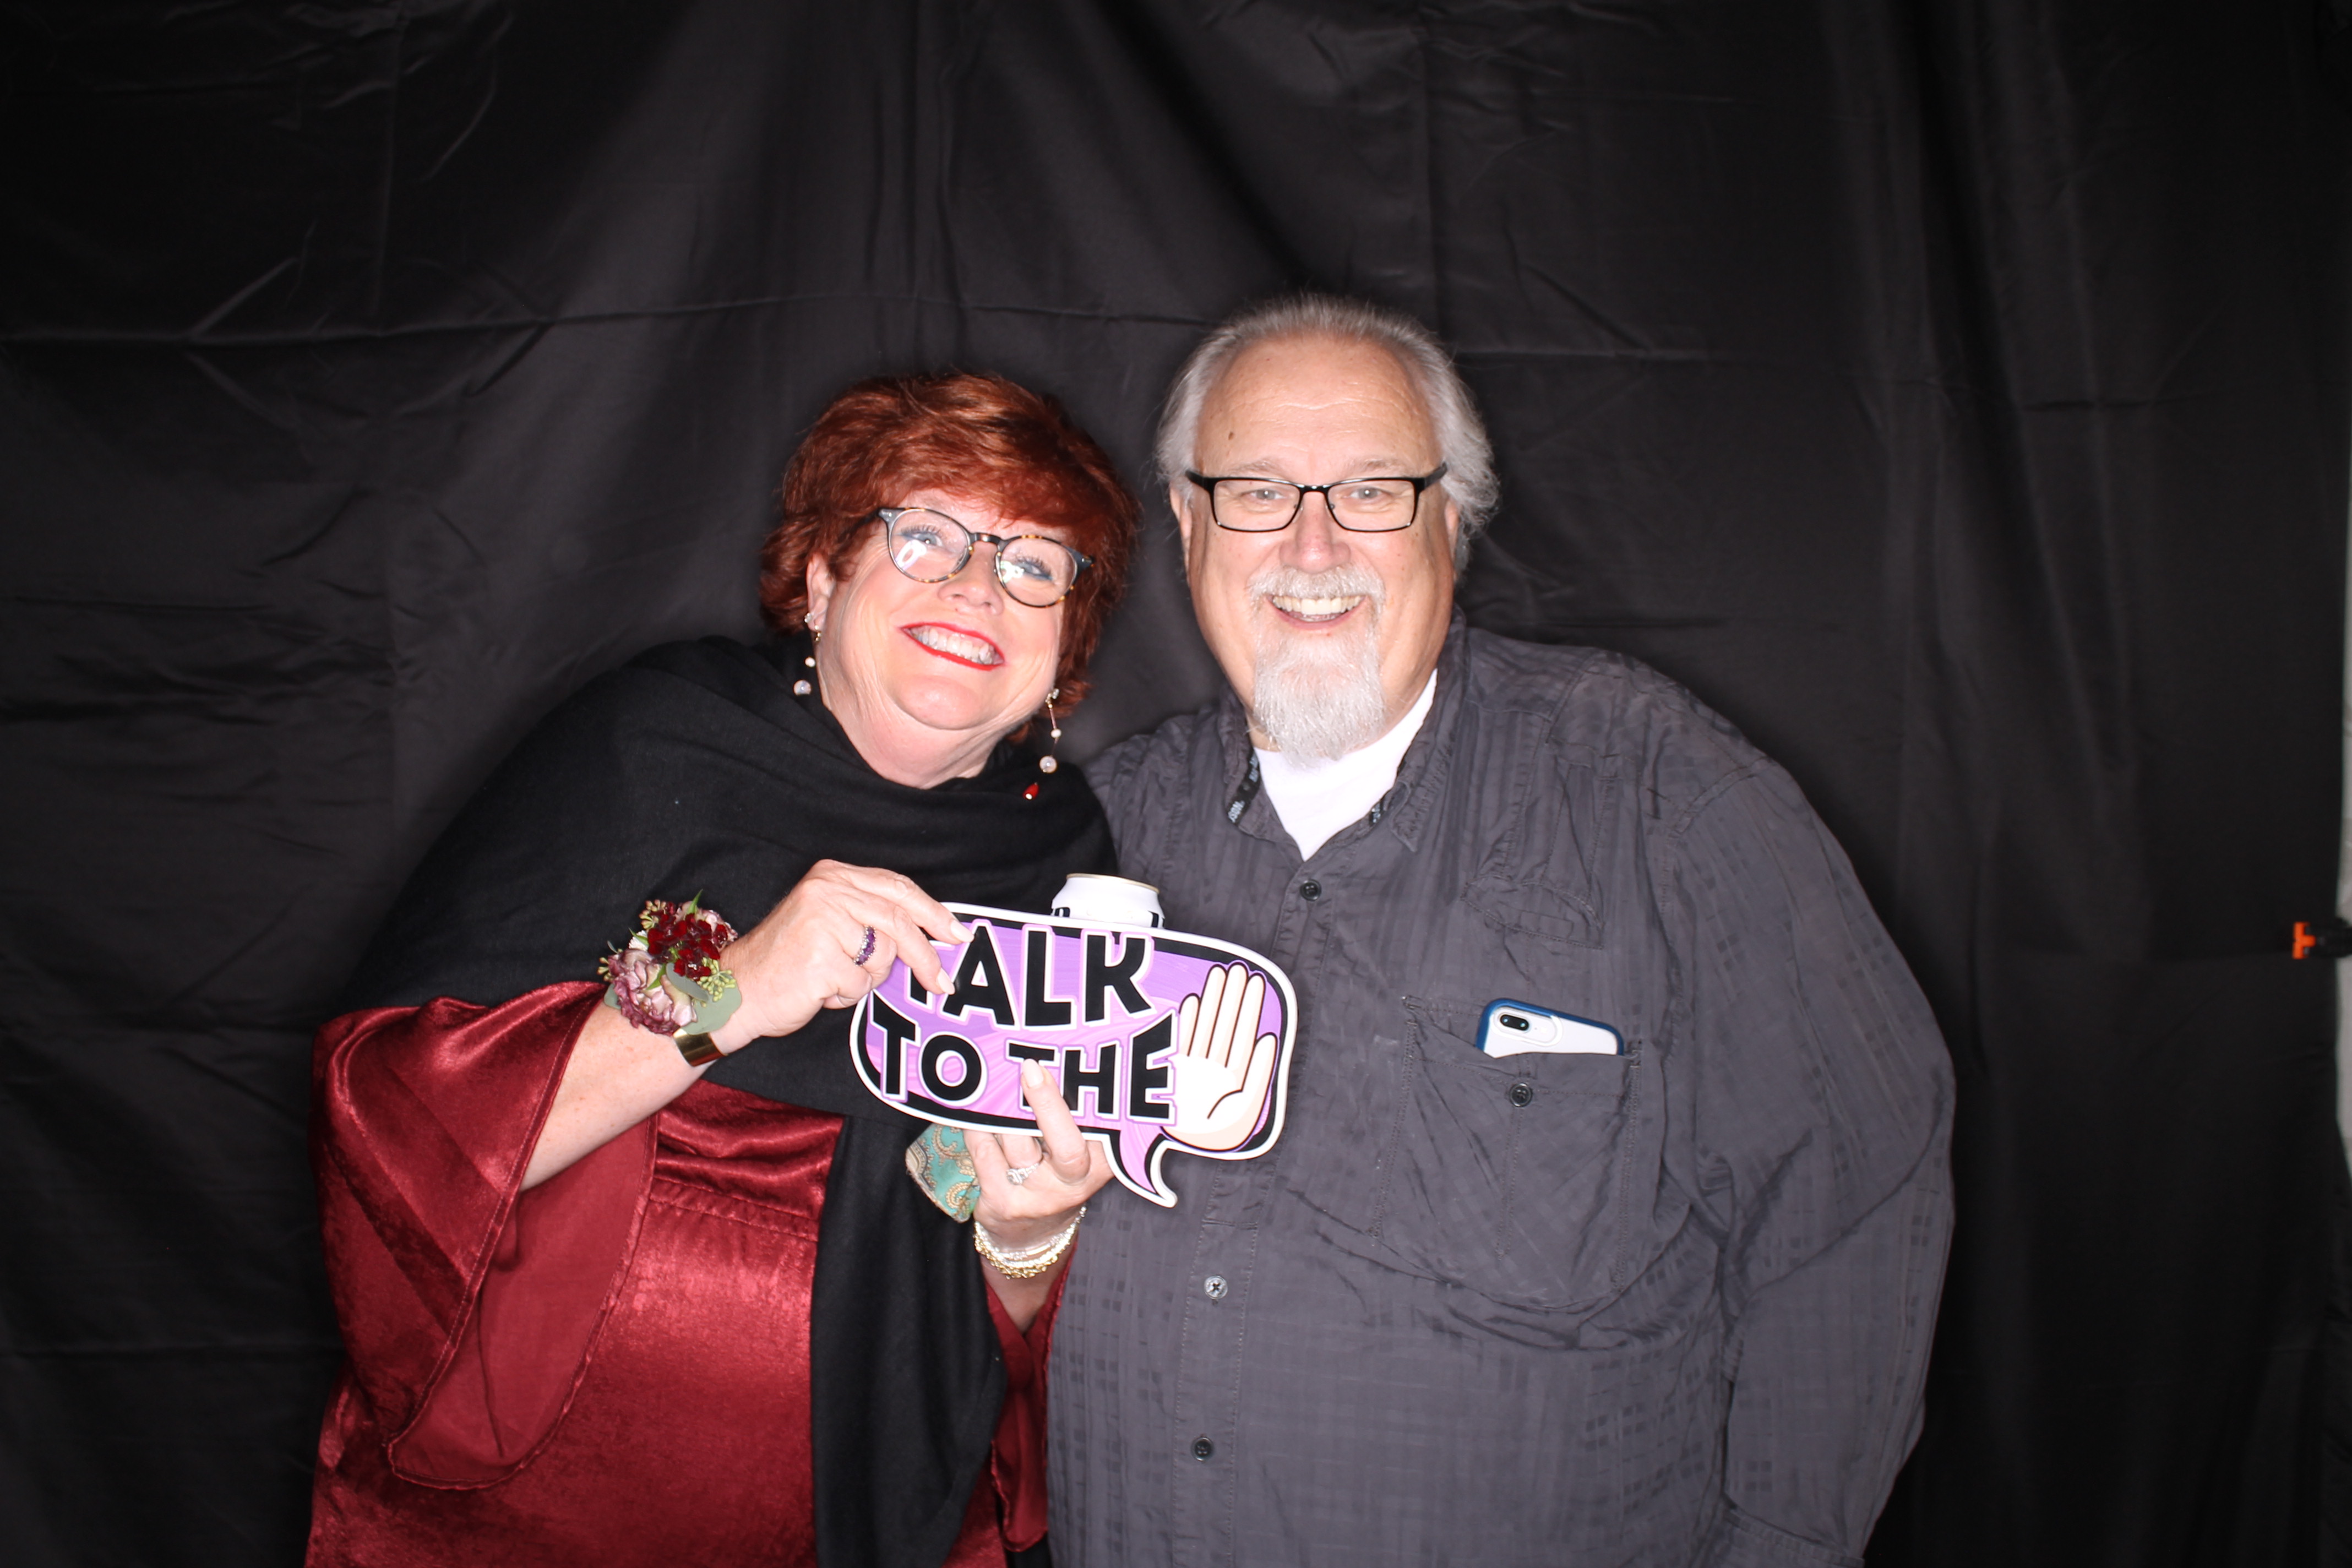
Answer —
1017 1174
866 952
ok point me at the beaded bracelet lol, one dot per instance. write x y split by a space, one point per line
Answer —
1030 1262
668 980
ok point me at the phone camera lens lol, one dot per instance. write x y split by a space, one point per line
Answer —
1513 1021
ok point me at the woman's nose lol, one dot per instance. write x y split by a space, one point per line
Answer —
977 584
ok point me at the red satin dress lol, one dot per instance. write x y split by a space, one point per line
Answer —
612 1368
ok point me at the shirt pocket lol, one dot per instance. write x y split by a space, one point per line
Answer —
1509 1175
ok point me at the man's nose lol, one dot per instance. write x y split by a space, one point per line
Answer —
1315 538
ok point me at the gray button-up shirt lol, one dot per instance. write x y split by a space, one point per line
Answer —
1665 1307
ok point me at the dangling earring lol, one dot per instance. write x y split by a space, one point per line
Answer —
801 687
1048 762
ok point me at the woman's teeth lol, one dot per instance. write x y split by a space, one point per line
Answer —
955 643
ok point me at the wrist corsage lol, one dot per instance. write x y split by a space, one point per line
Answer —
667 979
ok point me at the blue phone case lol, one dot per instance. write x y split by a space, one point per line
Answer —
1522 1027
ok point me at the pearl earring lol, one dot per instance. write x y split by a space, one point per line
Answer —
801 687
1048 762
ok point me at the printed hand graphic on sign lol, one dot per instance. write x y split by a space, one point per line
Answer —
1157 1040
1222 1078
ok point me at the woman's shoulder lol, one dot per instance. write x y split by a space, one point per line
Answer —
669 687
750 674
672 676
579 819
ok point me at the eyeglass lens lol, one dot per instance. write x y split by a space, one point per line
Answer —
932 547
1365 506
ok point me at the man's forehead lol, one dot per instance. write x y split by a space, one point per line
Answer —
1354 395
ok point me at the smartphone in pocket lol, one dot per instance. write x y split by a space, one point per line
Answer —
1511 1027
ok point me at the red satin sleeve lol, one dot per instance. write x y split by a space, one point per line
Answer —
612 1367
423 1123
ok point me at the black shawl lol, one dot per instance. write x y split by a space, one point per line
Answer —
696 769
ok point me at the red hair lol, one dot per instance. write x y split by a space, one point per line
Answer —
977 436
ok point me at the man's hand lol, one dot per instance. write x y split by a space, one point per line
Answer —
1222 1078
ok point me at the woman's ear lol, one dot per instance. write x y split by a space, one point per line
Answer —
821 582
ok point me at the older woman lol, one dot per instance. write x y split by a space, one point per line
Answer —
635 1273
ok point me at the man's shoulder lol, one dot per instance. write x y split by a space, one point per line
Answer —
1150 786
1164 753
1610 710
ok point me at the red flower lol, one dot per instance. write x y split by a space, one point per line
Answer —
672 944
686 940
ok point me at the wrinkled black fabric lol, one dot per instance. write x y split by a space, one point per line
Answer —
695 772
1951 395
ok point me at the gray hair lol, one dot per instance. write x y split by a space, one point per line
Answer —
1461 434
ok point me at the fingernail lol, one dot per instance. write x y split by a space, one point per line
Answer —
963 932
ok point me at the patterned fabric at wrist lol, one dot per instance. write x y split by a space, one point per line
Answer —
1030 1262
668 980
940 1162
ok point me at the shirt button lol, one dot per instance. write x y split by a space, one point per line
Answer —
1202 1448
1215 1286
1522 1092
1310 890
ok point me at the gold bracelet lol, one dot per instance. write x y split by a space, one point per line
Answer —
696 1047
1030 1262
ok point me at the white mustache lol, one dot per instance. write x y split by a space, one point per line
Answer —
1348 580
1318 695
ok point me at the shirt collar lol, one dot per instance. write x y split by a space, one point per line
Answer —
1421 776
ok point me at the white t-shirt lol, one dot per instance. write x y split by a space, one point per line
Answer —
1316 797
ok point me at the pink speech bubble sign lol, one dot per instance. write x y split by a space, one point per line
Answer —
1104 1009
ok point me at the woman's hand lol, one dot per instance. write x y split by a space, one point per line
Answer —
1064 1169
803 956
800 958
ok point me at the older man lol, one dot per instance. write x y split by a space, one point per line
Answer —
1660 1292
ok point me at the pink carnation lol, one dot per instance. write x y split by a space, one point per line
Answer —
639 993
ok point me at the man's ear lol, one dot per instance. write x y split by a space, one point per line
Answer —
1453 536
1179 498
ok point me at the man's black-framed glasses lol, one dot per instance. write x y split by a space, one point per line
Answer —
1380 504
932 547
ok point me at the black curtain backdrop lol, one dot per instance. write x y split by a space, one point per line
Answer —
1952 393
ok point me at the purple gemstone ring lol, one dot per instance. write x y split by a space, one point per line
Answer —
866 952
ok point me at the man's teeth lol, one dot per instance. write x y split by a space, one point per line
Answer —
945 641
1316 609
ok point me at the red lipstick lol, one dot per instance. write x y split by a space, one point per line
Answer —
961 632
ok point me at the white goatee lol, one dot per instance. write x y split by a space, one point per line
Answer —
1318 696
